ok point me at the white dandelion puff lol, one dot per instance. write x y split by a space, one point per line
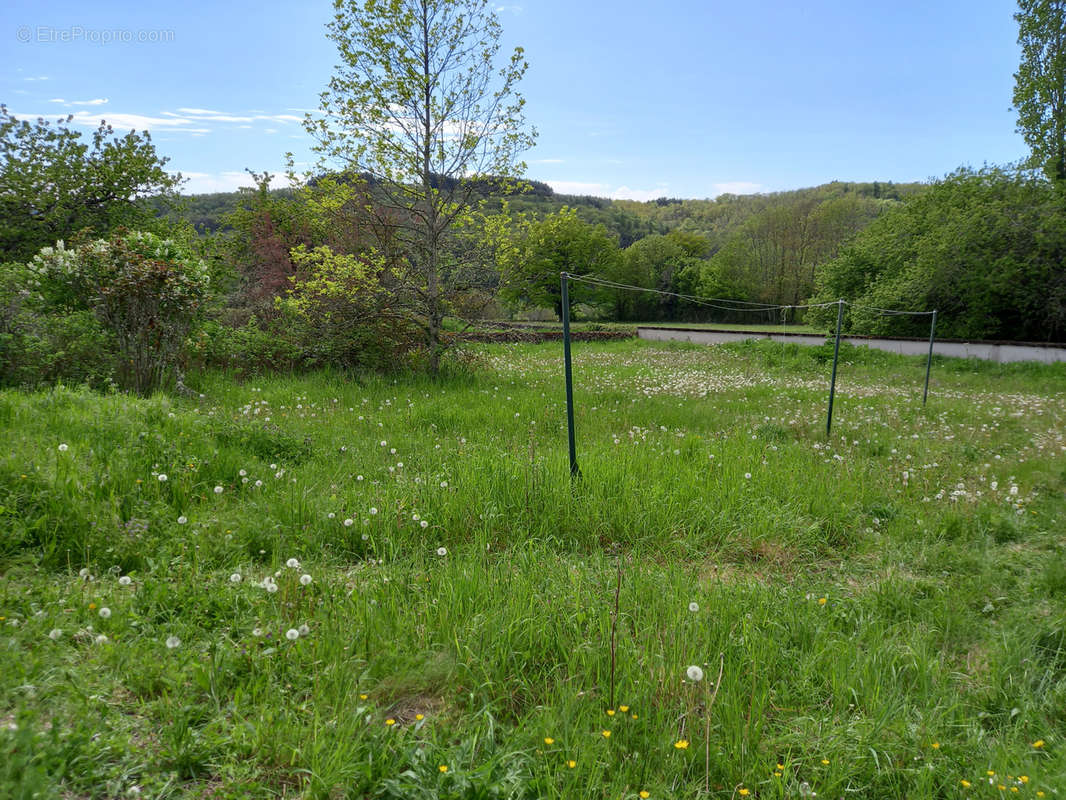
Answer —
305 579
182 519
293 563
693 607
349 522
442 551
173 642
292 634
125 580
104 612
235 577
162 477
694 673
54 634
218 490
62 448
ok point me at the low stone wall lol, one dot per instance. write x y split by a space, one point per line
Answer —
990 351
534 336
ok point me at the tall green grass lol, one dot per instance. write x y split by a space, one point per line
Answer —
887 607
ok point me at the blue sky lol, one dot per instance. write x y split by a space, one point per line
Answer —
680 99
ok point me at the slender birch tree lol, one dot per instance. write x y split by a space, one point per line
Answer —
421 107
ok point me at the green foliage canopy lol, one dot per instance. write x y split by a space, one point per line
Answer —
53 184
985 248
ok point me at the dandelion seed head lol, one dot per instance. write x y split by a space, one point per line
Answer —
125 580
442 551
235 577
62 448
293 563
305 579
694 673
105 613
693 607
173 642
162 477
54 634
292 634
182 519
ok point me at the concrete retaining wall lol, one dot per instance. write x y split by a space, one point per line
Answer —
989 351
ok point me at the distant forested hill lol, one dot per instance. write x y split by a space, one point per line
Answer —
627 220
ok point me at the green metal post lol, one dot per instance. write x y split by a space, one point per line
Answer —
836 357
929 362
568 370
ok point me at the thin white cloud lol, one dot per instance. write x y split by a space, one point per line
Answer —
643 195
606 190
229 181
546 161
736 187
577 187
117 120
98 101
187 120
39 78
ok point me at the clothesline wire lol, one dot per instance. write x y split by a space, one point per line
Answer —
711 302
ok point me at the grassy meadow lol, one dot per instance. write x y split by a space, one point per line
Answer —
389 587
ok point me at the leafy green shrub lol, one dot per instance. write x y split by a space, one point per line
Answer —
342 314
145 290
254 348
40 345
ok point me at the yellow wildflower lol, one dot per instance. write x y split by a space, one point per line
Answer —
623 709
744 792
606 734
935 745
571 763
610 712
390 722
443 767
1038 743
420 717
681 744
549 740
965 783
645 793
825 762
